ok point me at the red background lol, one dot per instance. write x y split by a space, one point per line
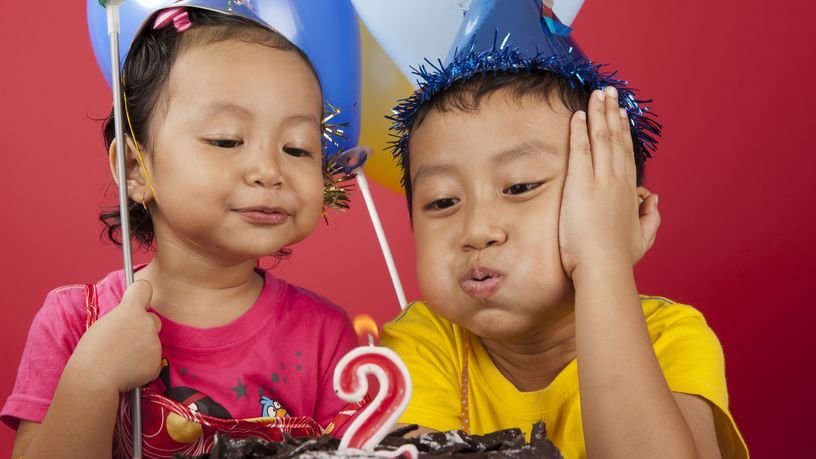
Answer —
733 84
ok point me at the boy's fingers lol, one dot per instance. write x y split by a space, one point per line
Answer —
599 133
615 123
628 145
580 157
613 119
138 294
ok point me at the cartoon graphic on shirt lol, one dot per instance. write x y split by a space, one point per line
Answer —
272 409
184 430
191 398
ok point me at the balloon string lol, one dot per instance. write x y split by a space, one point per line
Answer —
139 157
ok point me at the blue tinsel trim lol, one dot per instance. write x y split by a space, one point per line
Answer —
465 65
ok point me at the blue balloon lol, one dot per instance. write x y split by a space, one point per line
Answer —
326 30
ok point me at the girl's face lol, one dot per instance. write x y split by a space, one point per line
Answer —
236 163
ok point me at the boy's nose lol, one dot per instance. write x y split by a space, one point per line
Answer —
482 229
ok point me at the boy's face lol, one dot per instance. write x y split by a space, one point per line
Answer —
487 189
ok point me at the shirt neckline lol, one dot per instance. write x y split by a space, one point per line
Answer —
529 403
189 338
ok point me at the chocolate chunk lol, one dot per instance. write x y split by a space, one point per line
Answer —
508 443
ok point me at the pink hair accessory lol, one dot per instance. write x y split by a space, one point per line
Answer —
177 16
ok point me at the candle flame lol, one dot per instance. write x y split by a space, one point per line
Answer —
365 326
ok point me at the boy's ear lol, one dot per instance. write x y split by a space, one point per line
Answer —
137 186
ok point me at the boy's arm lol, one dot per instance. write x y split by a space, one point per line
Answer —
700 418
120 351
627 407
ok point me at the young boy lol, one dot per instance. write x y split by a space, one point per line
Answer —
522 180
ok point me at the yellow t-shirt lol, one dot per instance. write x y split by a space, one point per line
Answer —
433 349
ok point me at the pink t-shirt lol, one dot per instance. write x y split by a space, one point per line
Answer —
280 355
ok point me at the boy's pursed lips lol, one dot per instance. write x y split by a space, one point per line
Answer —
481 281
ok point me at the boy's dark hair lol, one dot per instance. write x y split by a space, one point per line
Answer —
145 75
466 96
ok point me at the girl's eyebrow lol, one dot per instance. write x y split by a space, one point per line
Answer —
218 107
302 119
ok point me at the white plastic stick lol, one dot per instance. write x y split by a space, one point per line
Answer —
362 182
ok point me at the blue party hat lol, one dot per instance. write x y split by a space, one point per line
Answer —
515 36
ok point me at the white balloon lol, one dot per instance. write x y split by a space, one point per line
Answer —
410 31
567 10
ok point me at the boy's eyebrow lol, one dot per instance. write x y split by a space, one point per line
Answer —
429 171
530 148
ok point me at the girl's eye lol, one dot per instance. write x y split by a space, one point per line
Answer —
521 188
442 204
225 143
297 152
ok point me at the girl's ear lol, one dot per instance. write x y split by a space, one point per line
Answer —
137 184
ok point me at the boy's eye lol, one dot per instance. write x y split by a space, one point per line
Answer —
225 143
297 152
442 204
520 188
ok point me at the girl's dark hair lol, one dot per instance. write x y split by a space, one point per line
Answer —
145 75
466 95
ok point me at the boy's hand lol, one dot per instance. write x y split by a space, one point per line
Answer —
122 349
605 220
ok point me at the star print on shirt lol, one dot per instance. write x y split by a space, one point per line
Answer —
239 389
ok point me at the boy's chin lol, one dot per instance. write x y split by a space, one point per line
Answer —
509 318
497 324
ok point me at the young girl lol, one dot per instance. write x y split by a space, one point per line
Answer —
224 165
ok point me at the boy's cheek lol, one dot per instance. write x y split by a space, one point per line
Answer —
431 284
434 270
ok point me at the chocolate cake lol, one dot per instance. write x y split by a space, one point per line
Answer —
452 444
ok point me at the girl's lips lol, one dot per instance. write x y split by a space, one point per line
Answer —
481 282
264 215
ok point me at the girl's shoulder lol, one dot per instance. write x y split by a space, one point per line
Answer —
305 301
73 300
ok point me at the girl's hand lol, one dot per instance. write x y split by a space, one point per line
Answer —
122 349
605 220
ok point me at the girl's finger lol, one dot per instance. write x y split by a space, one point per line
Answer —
138 294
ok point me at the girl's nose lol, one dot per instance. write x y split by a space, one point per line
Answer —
265 170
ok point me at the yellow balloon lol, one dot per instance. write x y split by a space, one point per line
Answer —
383 84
